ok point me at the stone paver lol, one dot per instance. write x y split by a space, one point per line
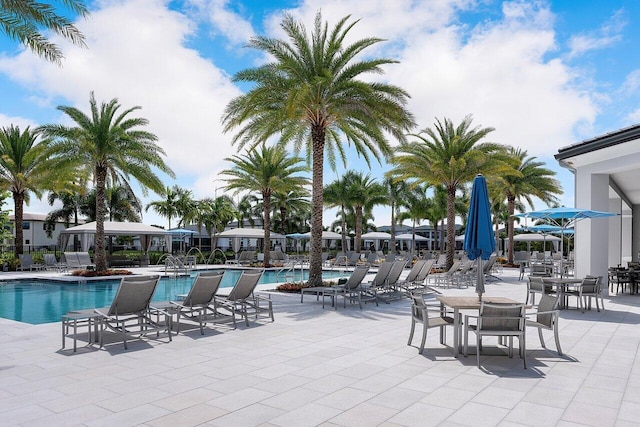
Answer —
328 367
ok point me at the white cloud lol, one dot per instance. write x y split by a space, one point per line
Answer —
607 35
142 61
226 22
21 122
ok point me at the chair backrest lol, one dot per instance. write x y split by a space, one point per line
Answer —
26 260
589 285
547 303
354 258
356 277
488 265
247 256
381 276
455 267
396 270
133 295
501 317
418 308
415 270
442 259
426 269
466 266
50 259
372 258
536 284
83 258
204 288
245 285
71 258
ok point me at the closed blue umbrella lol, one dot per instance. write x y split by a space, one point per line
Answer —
479 242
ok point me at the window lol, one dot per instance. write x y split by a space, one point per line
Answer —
26 225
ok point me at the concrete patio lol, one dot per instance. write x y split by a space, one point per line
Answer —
324 367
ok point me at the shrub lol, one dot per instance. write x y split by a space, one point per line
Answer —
105 273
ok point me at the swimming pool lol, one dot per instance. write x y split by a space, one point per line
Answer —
45 301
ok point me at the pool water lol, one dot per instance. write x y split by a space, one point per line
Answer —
45 301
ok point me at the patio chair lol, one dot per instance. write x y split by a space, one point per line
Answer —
85 260
546 317
501 320
247 257
535 285
129 313
51 263
379 281
589 288
408 282
351 290
391 290
242 300
199 300
71 260
463 276
444 279
441 262
429 317
421 280
26 263
372 258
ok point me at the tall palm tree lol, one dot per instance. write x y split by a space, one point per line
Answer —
339 194
25 167
436 212
417 206
397 191
22 20
123 204
452 156
186 207
168 206
245 210
367 193
312 94
113 144
289 204
222 212
533 180
266 170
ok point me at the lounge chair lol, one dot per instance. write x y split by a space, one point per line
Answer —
247 257
379 281
242 300
501 320
444 279
26 263
51 263
391 290
85 260
420 313
546 318
130 314
351 290
408 282
198 302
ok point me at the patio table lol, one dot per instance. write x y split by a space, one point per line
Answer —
80 318
466 303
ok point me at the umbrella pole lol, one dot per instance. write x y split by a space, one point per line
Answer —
480 278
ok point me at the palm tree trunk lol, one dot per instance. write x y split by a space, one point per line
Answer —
266 197
358 228
100 256
344 231
315 257
392 243
18 202
511 203
283 223
451 225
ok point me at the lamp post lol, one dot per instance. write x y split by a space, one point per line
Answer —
215 188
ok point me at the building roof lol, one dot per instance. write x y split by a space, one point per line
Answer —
610 139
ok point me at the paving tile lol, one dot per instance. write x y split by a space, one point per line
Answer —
345 398
589 415
311 414
239 399
420 414
478 415
252 415
193 416
364 415
499 397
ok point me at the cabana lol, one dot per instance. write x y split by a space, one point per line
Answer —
87 231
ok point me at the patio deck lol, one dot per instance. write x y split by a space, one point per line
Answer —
325 367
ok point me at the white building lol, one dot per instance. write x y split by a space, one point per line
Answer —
35 231
607 178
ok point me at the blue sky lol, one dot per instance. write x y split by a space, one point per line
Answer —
544 74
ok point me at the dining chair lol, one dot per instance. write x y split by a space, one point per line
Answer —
429 317
500 320
546 317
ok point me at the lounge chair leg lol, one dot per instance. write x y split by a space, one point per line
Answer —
555 333
541 338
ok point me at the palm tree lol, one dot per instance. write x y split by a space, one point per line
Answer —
266 170
436 212
22 20
289 204
27 166
112 143
451 156
123 205
339 194
312 94
222 212
397 192
417 205
366 193
533 180
245 210
186 207
167 207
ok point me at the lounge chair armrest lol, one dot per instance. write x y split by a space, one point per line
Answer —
535 313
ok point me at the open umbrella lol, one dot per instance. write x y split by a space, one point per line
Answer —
479 242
